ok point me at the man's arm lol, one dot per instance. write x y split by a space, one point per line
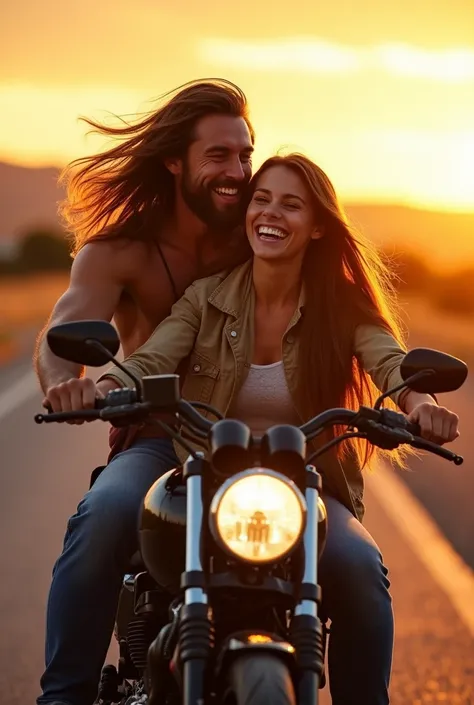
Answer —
171 342
96 283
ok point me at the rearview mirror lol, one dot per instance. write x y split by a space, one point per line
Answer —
73 342
448 373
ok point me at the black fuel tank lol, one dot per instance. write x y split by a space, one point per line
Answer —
162 530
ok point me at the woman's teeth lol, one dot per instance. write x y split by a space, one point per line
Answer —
268 233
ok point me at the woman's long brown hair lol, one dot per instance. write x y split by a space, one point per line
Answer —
346 284
125 190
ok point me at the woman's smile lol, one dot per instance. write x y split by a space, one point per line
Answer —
271 233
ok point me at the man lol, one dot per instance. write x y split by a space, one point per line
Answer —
156 211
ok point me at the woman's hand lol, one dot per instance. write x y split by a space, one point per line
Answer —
437 423
77 394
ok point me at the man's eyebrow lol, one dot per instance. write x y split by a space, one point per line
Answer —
224 148
285 195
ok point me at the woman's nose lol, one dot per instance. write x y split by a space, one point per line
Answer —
271 210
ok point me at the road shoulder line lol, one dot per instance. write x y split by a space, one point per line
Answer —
445 566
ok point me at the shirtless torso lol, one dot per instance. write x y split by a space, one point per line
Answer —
133 282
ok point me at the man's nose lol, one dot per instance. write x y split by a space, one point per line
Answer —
235 170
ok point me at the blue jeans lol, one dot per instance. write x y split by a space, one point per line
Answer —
355 594
87 578
102 536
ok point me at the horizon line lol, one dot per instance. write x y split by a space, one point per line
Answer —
347 201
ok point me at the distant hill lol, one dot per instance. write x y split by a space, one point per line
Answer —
29 198
442 239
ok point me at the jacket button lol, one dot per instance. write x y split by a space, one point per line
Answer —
233 333
197 368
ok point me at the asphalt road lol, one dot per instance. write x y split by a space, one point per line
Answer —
44 472
445 490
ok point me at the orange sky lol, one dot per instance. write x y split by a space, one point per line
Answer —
380 94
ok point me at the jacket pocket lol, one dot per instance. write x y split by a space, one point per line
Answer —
200 380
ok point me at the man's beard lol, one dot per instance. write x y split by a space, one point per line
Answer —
200 201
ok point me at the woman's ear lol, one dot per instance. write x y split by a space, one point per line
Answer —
174 165
317 233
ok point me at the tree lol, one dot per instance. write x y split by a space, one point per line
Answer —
412 272
455 293
43 251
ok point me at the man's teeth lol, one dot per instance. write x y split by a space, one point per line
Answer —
227 191
274 232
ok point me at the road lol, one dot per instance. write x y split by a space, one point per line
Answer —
444 489
45 471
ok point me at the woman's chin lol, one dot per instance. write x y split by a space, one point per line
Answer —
268 256
268 250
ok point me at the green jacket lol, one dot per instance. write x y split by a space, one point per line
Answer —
212 327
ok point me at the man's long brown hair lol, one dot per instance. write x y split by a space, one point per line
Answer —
126 189
346 284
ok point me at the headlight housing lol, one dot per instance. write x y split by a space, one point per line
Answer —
258 515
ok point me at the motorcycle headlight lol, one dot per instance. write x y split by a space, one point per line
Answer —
258 515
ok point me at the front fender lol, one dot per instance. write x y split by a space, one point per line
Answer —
248 640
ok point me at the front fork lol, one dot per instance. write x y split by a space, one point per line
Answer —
195 629
306 629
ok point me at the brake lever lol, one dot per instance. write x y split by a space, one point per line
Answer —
436 449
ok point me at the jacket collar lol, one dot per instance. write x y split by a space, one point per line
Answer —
236 290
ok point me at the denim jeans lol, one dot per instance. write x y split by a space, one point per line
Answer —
87 578
355 595
102 536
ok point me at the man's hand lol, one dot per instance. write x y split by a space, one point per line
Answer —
437 423
77 394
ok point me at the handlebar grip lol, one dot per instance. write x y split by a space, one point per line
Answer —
51 417
100 403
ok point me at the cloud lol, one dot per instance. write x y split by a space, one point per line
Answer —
448 65
321 57
311 56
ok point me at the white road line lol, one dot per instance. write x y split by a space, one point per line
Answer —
445 566
20 391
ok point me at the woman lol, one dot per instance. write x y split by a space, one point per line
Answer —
307 324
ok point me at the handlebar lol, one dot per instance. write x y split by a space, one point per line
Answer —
413 428
378 426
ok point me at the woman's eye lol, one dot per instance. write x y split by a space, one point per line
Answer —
292 206
260 199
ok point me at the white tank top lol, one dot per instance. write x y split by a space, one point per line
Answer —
264 399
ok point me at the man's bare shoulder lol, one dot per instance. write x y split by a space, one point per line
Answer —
118 259
118 251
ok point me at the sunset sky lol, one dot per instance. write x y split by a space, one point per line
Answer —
379 93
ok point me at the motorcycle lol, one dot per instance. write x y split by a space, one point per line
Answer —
222 602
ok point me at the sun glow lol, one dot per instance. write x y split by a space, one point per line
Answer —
388 120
